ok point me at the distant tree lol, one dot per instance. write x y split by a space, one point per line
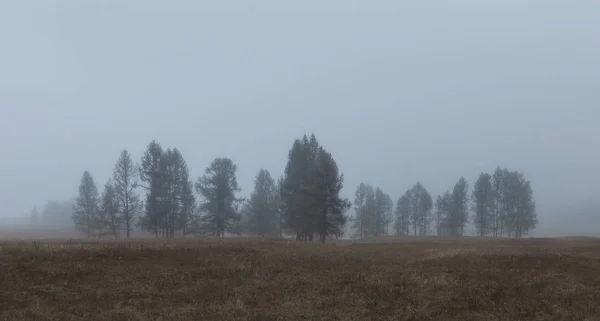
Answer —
262 207
85 211
442 213
518 204
296 211
188 208
280 206
176 190
326 184
374 211
35 218
383 212
498 193
403 211
483 206
310 192
125 182
420 209
358 221
109 220
219 186
152 177
459 212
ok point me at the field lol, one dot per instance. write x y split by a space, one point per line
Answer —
253 279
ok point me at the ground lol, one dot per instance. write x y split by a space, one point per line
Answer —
252 279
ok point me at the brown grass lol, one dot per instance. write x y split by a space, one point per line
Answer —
250 279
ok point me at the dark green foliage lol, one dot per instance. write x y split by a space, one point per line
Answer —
483 204
310 189
85 211
262 209
125 180
219 186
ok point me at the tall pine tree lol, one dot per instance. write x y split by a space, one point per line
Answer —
86 210
483 204
219 186
125 180
262 209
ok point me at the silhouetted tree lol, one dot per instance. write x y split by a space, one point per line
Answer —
420 209
323 193
518 204
109 220
125 182
483 217
459 212
310 192
152 177
85 211
262 209
499 213
403 213
360 210
442 213
219 186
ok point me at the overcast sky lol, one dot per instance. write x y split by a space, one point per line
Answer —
398 91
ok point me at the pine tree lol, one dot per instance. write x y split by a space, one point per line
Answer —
296 176
125 182
280 205
420 209
188 213
383 212
403 210
109 219
498 201
152 179
518 204
358 221
483 204
442 213
219 186
310 192
459 212
262 207
325 185
176 183
85 211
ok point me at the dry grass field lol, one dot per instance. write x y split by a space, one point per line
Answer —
251 279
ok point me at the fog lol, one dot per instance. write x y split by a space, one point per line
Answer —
397 91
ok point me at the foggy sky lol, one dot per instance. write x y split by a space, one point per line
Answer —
398 91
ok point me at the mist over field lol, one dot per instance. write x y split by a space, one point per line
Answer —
397 92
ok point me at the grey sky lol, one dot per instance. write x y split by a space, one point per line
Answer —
398 91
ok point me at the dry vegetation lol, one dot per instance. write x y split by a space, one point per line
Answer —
249 279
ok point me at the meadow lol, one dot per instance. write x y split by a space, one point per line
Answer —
391 278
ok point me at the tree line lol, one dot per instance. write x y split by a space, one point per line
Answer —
501 205
304 202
